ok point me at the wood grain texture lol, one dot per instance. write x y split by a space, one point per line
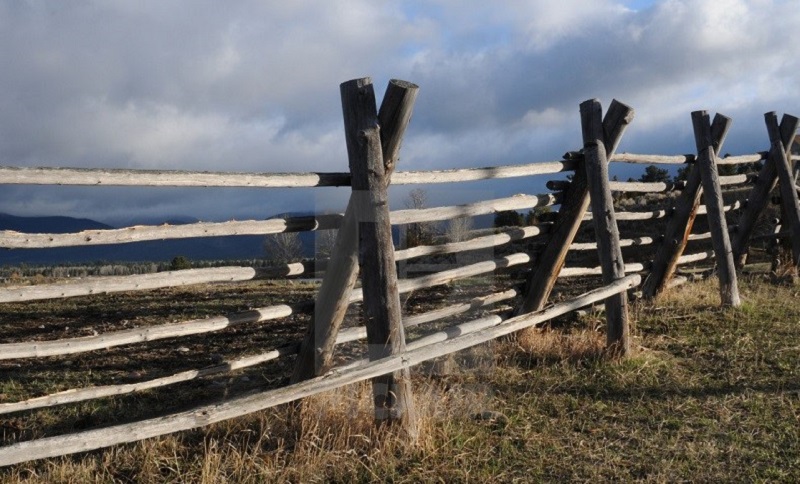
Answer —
172 178
137 282
68 346
786 182
18 240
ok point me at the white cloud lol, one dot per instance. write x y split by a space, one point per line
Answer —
251 85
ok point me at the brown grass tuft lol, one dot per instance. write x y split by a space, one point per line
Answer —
563 345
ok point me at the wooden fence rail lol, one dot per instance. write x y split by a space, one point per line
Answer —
236 407
559 246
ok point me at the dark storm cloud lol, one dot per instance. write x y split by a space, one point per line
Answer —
253 86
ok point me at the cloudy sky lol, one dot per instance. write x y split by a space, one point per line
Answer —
252 85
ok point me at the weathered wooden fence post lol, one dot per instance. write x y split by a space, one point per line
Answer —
758 197
788 190
385 334
316 350
681 220
720 239
549 262
605 225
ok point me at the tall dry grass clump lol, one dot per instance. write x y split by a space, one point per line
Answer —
331 436
561 345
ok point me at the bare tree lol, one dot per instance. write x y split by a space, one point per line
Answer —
418 233
324 243
458 229
284 247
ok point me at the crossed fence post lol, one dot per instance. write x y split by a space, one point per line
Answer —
373 141
715 208
682 217
605 135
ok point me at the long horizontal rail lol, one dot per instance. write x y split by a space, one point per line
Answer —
160 280
444 277
174 178
67 346
89 393
626 186
683 159
18 240
596 271
136 282
423 282
350 334
177 178
483 242
636 241
486 173
236 407
661 213
137 335
360 332
516 202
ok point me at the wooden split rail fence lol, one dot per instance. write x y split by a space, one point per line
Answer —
364 248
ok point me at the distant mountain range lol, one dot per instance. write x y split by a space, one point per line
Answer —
209 248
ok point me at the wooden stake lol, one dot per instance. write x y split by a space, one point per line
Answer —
789 200
706 163
605 225
385 335
575 202
316 350
680 224
759 196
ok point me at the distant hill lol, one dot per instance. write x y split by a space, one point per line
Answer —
53 225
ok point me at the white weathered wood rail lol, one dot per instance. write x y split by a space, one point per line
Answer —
637 241
450 275
435 214
684 159
67 346
596 271
173 178
137 282
152 333
484 242
140 233
18 240
208 414
345 336
12 175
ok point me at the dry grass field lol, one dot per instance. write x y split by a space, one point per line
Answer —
710 395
